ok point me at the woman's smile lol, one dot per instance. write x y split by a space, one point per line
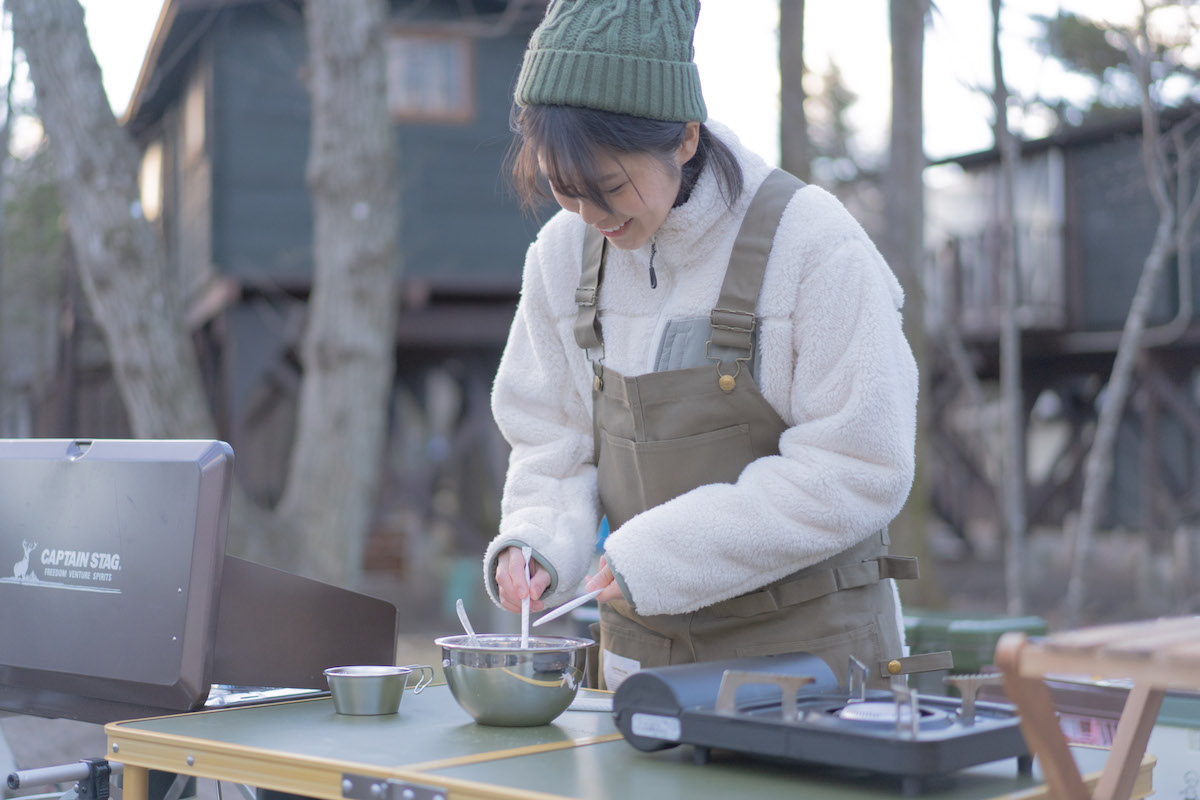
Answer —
614 232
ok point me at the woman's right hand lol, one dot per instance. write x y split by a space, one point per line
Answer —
510 580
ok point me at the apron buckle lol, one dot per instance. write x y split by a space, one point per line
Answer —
726 381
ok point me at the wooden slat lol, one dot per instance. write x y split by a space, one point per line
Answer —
1129 746
1038 721
1186 656
514 752
1154 641
1104 635
1040 663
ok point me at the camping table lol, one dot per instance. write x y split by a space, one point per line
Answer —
433 749
1155 655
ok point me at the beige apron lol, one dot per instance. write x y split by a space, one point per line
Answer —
661 434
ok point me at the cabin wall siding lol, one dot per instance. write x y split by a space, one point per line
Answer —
1114 224
459 222
190 187
262 215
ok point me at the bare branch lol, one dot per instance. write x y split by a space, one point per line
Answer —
1099 461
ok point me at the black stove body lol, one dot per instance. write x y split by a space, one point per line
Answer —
791 708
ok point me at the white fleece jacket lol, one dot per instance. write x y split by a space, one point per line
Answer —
832 361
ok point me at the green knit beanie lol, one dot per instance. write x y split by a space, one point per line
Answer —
625 56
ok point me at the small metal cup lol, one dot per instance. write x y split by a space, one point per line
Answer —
372 690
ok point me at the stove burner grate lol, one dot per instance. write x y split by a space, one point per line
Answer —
885 713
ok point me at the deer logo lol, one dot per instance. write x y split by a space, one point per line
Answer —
21 570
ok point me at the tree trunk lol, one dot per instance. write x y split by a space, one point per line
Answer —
1012 479
1098 469
1172 234
904 246
795 150
12 404
321 522
348 349
121 258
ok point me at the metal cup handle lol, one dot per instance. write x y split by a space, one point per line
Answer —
424 679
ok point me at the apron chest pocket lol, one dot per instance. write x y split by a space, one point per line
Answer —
641 475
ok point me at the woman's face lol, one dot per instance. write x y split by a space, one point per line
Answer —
640 190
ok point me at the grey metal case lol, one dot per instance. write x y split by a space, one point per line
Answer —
117 599
110 550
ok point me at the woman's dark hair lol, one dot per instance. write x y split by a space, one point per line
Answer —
568 140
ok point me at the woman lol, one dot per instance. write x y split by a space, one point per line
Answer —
737 399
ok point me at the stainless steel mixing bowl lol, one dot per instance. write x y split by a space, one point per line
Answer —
498 682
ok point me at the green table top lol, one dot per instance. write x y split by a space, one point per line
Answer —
430 727
434 742
616 770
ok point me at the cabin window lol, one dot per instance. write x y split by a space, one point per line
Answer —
150 181
430 77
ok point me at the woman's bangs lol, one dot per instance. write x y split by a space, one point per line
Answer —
565 176
566 151
570 168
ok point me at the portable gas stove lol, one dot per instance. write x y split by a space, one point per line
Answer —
791 708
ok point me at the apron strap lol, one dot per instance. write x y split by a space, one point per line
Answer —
587 323
818 584
921 662
733 318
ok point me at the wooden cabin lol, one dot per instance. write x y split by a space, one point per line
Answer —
1085 221
221 114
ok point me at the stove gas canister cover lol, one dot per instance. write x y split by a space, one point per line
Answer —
656 726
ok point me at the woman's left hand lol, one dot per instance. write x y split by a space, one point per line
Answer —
603 578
